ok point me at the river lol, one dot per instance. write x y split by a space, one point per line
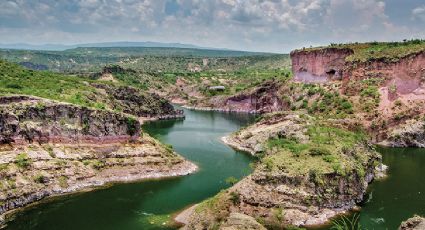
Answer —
150 204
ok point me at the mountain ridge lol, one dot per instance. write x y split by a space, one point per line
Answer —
62 47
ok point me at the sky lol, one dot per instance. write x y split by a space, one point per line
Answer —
254 25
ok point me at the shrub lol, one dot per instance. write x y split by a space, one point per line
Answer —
63 182
329 158
319 151
269 164
235 198
13 86
231 180
40 178
22 160
98 164
131 126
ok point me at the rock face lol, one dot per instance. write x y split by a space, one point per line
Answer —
308 173
131 101
387 92
319 65
414 223
406 75
324 64
26 120
49 148
264 98
410 134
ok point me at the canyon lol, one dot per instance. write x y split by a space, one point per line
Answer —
50 148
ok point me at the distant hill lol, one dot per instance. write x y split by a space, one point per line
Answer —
61 47
93 59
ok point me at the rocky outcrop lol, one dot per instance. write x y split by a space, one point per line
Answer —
405 76
309 172
239 221
50 148
264 98
329 63
410 134
25 120
131 101
386 89
414 223
319 65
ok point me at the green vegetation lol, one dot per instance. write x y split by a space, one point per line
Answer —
387 51
131 126
147 59
23 161
325 152
231 180
98 164
345 223
45 84
40 178
63 182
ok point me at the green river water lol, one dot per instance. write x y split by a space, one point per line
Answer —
148 204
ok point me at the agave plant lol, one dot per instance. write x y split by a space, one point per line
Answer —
346 223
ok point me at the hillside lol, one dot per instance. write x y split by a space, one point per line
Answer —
15 79
89 59
315 139
384 51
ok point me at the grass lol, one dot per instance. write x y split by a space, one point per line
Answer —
23 161
325 152
82 91
386 51
17 80
345 223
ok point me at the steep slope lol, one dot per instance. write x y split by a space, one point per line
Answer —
384 81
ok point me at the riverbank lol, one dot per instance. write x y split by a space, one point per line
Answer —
308 172
100 182
50 148
124 164
148 203
218 109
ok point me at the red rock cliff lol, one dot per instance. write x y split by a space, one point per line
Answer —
319 65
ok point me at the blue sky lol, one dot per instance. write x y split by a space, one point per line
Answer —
258 25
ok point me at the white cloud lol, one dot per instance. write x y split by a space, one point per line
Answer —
419 13
271 25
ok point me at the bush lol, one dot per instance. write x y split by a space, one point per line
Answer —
22 160
231 180
235 198
131 126
319 151
63 182
98 165
40 178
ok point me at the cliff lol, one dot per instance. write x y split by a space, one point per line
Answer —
385 82
319 65
132 101
50 148
309 171
263 98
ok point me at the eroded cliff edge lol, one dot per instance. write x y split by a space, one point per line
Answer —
384 82
49 148
308 171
